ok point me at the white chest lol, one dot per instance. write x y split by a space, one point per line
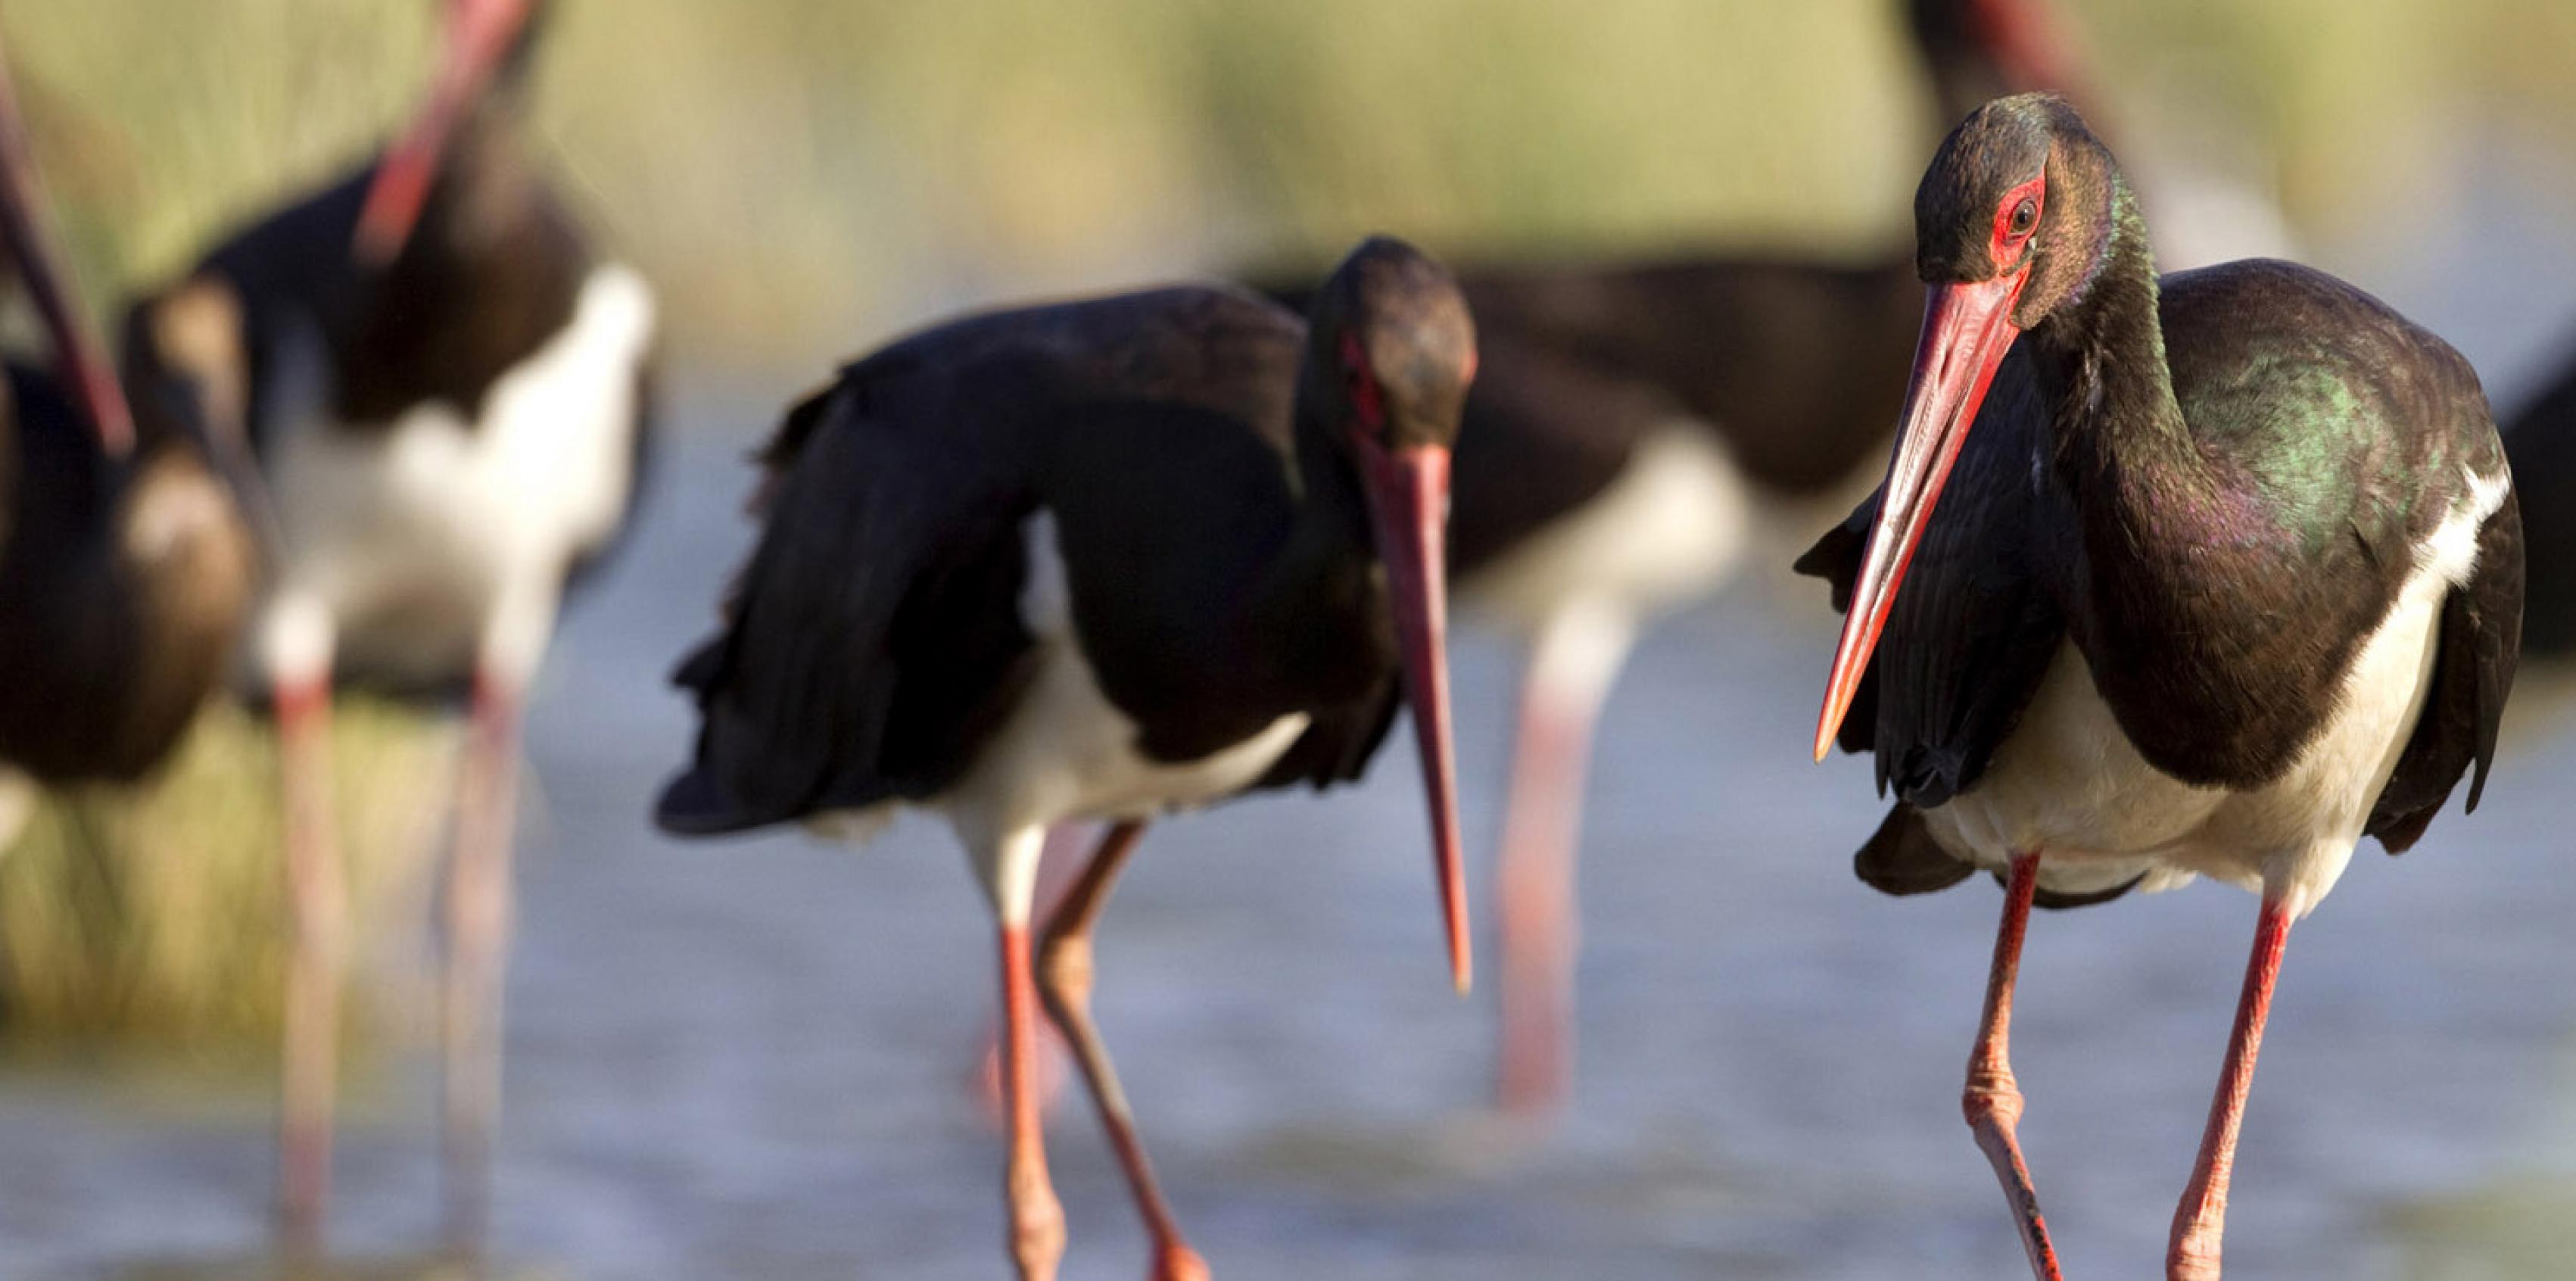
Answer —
418 526
2069 784
1068 752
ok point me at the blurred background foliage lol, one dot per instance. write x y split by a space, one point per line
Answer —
155 921
803 175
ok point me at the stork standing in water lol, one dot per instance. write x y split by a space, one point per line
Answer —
444 384
2228 576
127 567
1100 560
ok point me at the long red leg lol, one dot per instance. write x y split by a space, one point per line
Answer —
478 938
318 906
2202 1216
1571 668
1060 861
1065 978
1992 1101
1037 1219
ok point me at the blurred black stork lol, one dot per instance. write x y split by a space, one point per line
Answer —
1635 426
2540 440
444 384
2229 576
127 567
1099 560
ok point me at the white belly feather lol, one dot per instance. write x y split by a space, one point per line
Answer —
404 542
1669 530
1066 751
2068 782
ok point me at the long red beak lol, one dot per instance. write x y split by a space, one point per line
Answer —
479 33
22 221
1967 328
1408 502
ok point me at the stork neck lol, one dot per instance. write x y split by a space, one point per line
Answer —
1322 598
2119 430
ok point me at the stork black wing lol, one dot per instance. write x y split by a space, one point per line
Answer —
1978 618
874 639
2481 639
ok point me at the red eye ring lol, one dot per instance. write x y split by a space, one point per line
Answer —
2017 216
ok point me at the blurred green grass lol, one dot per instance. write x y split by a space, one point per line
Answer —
153 919
801 175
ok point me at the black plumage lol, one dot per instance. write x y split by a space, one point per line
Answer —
1096 560
2206 574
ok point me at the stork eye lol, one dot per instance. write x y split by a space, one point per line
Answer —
2024 216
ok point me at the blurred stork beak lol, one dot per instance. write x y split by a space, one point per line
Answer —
22 222
479 35
1408 503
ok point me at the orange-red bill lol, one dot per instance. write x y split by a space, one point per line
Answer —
479 34
1967 328
1408 502
22 221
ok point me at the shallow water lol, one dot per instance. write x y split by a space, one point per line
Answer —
750 1060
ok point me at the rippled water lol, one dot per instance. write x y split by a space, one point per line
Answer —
751 1060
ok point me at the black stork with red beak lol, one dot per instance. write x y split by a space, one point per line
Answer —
2227 575
444 383
127 567
1100 560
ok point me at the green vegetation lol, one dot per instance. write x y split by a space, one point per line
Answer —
803 175
155 918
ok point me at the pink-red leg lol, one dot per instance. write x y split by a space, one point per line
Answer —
1037 1218
1571 668
1992 1101
2202 1216
318 907
1065 979
1060 861
478 909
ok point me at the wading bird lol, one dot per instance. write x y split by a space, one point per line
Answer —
444 384
127 567
1099 560
2227 575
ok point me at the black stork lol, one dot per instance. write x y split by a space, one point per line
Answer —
1098 560
2540 440
444 384
2229 575
1637 426
126 568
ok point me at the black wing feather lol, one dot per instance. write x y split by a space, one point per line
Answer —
2480 642
843 679
1978 618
